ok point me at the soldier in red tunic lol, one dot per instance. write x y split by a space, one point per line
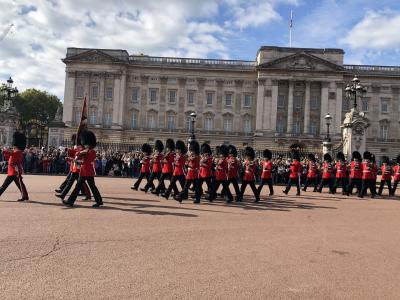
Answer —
387 173
206 164
233 168
87 172
192 175
167 166
179 170
14 169
155 164
249 177
295 173
327 170
266 175
221 174
70 159
312 170
368 177
341 173
396 176
355 173
145 167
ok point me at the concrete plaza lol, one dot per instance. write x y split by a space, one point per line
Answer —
316 246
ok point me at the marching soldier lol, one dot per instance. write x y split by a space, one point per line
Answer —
368 177
145 168
14 168
295 173
266 175
249 177
206 164
167 166
179 170
355 173
70 158
87 172
396 177
340 177
312 169
233 167
387 173
155 164
327 170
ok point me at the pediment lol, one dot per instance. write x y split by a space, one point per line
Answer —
303 62
94 55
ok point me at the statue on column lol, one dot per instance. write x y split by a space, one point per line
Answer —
354 132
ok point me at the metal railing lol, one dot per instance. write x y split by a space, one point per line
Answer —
371 68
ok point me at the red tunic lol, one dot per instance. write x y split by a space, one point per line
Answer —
205 167
193 168
6 154
356 170
87 165
340 169
295 169
327 170
387 172
221 171
179 164
156 163
168 161
312 169
233 166
266 170
396 170
145 165
368 172
76 166
250 170
15 163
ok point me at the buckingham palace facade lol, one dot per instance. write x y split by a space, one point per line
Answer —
278 100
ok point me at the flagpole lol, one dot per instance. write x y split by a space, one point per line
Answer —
290 28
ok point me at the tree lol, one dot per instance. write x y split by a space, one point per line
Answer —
33 104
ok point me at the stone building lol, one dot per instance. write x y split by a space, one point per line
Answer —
276 101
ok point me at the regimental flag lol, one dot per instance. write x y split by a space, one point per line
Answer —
83 122
291 19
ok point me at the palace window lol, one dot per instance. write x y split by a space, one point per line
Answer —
210 97
95 92
109 93
281 101
346 105
171 122
77 116
247 100
297 102
172 96
153 96
208 123
314 103
135 95
79 91
93 117
247 125
107 119
296 127
190 97
364 105
313 128
227 124
228 99
384 107
280 126
134 120
188 124
384 131
151 120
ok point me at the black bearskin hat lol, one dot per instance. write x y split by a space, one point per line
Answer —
159 145
367 155
311 157
88 138
340 156
146 148
385 159
356 155
373 158
205 148
398 159
170 144
249 152
224 150
180 145
327 157
194 147
232 150
295 155
267 154
19 140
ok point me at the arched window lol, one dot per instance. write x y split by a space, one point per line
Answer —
107 119
77 116
152 119
208 122
384 127
134 120
171 120
93 116
247 124
228 123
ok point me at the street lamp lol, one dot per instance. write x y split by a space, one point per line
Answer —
328 119
9 91
193 121
354 89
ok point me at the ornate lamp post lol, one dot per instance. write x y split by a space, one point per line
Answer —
355 89
9 91
193 121
327 144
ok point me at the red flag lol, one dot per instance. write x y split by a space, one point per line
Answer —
291 19
83 123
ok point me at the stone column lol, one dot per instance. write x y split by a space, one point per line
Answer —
118 94
339 102
101 99
163 102
290 108
260 105
69 97
324 106
274 105
307 108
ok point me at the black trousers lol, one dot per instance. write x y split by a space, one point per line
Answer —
161 184
324 182
185 191
235 184
225 189
74 177
368 184
389 184
172 185
265 181
17 182
140 178
343 183
309 181
292 181
150 181
92 186
64 183
252 184
354 182
395 183
208 181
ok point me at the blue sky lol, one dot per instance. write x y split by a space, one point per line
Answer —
368 31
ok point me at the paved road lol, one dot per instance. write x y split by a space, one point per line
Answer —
139 246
